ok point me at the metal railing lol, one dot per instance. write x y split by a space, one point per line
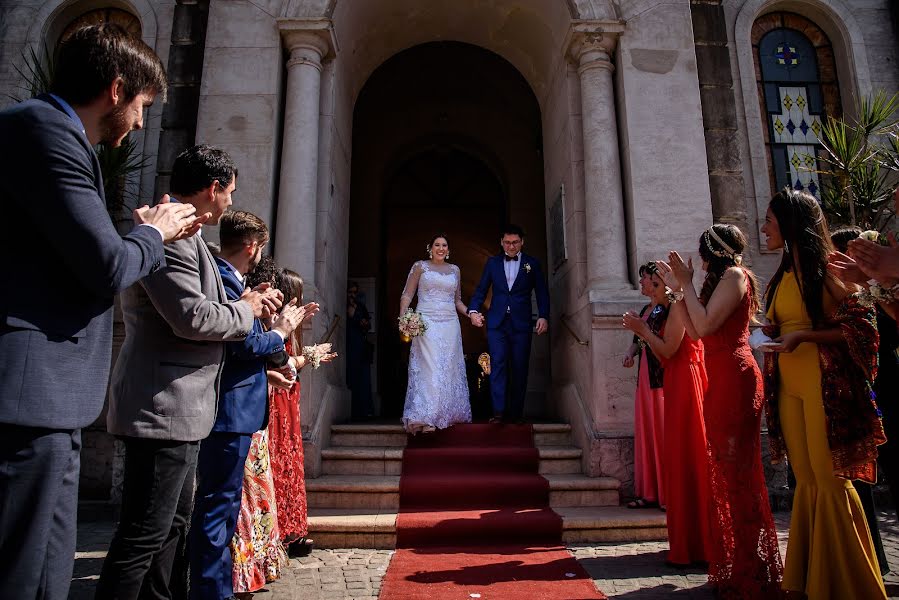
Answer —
571 331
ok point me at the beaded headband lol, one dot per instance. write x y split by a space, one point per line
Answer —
728 252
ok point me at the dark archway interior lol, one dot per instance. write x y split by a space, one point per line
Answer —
446 139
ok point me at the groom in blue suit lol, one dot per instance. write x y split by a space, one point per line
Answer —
513 276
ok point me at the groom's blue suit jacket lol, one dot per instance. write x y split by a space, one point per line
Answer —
516 302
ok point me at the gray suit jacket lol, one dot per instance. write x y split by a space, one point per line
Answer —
68 264
166 379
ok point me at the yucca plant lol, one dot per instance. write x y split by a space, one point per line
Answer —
117 164
860 161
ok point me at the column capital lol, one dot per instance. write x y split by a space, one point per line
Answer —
316 35
588 41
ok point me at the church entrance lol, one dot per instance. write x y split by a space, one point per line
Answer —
446 140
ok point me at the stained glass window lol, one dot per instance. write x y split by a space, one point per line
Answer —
792 53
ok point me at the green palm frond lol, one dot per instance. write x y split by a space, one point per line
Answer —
36 73
119 165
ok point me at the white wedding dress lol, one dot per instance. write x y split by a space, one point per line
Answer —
437 395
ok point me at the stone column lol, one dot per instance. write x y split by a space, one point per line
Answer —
295 233
605 225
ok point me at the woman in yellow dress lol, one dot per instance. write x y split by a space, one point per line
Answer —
819 406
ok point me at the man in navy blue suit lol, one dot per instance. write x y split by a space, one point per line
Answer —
242 411
56 315
513 275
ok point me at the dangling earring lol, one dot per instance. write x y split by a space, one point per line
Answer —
447 255
786 247
430 255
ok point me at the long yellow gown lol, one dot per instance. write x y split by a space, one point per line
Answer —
830 555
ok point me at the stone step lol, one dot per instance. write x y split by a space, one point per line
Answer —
349 528
365 435
388 460
382 491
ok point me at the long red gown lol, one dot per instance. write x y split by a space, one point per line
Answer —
747 563
687 489
286 448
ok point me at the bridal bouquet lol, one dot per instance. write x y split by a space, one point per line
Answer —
411 325
315 354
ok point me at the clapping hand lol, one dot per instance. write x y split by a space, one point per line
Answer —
876 261
289 318
666 274
175 220
311 309
682 271
632 321
263 299
845 269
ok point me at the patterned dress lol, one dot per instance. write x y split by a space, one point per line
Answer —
256 548
747 563
286 446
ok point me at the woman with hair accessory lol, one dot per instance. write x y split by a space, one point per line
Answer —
746 563
437 395
819 405
686 476
649 403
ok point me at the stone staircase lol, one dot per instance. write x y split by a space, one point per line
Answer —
355 501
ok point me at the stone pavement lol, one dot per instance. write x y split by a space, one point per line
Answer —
633 571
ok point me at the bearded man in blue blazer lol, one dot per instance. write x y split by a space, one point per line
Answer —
242 411
513 275
56 315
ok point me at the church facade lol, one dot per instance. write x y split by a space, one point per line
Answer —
613 131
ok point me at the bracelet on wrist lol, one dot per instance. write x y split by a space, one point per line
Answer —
674 296
877 293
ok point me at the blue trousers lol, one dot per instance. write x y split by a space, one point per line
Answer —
38 511
510 352
216 508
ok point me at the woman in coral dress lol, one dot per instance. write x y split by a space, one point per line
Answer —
686 477
747 563
649 407
819 405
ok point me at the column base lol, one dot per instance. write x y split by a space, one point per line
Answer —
614 301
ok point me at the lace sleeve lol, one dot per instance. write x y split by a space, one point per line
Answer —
411 286
460 306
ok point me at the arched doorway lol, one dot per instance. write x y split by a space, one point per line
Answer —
446 138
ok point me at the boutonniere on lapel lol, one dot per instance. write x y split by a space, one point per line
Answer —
527 267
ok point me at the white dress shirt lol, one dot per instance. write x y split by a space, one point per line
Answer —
511 267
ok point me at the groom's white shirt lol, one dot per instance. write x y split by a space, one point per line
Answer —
511 268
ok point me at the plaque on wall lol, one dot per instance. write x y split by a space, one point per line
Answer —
558 248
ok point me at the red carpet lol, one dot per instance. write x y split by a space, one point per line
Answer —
475 521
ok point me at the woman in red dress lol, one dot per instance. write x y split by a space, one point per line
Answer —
746 564
286 435
686 476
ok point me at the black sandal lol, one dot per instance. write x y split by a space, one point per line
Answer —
641 503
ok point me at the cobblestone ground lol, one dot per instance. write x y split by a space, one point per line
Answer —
627 571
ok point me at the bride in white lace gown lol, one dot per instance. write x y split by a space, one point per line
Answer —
437 396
